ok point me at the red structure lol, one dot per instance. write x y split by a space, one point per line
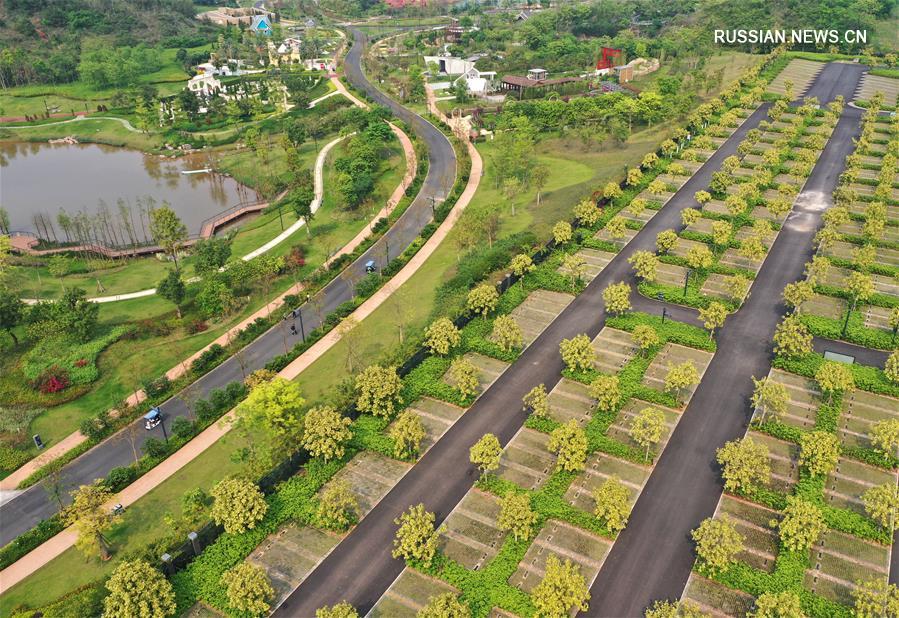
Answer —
610 58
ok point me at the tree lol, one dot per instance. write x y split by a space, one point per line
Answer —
745 464
248 589
12 310
407 432
338 508
72 316
577 353
137 589
486 453
575 265
445 605
168 231
442 336
645 336
783 604
416 539
792 338
647 428
819 452
713 317
378 390
606 390
860 287
506 333
752 248
736 287
770 397
325 432
562 233
539 178
797 293
689 216
617 225
238 505
885 436
801 525
611 191
537 401
717 542
721 232
681 377
891 367
876 599
516 515
561 590
521 264
666 241
833 377
702 196
211 254
569 442
91 518
586 212
882 505
634 176
464 376
645 265
482 299
172 289
300 201
617 297
612 500
681 609
700 257
341 610
273 408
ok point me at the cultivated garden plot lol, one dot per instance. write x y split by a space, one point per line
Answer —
752 521
861 411
614 348
783 457
600 468
716 600
290 554
408 595
537 311
594 261
626 236
586 550
472 536
488 370
621 429
674 354
840 560
370 476
851 478
872 84
803 399
526 461
436 419
201 611
571 400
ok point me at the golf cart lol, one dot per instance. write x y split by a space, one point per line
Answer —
370 266
152 418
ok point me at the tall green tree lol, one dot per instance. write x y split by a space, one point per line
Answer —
137 589
168 231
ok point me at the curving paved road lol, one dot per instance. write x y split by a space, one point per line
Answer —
27 509
360 568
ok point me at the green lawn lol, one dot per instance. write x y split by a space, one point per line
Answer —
142 524
733 62
79 96
94 130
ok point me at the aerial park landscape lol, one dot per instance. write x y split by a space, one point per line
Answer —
352 308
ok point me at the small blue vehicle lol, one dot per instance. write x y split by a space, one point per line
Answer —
370 266
152 418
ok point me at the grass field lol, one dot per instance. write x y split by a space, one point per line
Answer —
733 62
141 525
85 130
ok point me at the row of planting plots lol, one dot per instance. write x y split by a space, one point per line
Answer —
724 240
358 462
852 288
562 489
549 506
805 523
354 463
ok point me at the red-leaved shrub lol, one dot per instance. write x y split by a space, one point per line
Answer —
52 380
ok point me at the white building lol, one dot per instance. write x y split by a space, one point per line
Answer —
449 65
478 82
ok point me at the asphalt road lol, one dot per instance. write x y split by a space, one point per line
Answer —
27 509
653 556
361 568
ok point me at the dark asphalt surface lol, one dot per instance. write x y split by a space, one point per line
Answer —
33 505
655 561
653 556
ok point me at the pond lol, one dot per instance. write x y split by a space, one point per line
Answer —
113 188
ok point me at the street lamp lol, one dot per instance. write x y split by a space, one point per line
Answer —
686 281
164 434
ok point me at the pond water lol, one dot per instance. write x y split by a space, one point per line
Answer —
41 179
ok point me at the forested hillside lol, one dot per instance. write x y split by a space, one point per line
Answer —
41 40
